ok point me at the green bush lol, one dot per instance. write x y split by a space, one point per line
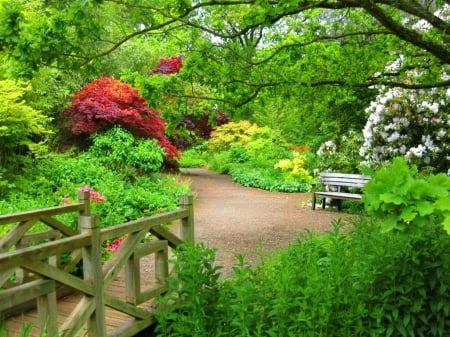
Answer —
257 157
403 200
357 282
192 157
341 155
45 182
117 149
230 134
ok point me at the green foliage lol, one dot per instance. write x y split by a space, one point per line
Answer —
352 282
117 148
128 195
342 154
294 168
194 292
257 157
21 127
231 134
266 179
405 201
193 157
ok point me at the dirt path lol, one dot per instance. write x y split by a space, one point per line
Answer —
232 218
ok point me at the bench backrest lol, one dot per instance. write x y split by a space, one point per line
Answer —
344 179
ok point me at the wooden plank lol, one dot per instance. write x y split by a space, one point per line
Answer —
124 307
78 317
340 195
187 223
54 223
344 175
36 214
21 256
132 328
38 236
92 270
151 293
117 261
161 233
48 318
25 292
53 273
15 234
141 224
5 275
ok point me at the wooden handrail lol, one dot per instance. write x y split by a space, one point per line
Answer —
90 311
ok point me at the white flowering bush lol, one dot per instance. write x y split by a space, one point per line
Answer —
413 124
341 155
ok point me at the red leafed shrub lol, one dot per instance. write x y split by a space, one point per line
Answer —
107 102
172 65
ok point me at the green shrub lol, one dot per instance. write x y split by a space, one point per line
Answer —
341 155
192 157
189 309
230 134
357 282
250 154
117 149
403 200
128 195
266 179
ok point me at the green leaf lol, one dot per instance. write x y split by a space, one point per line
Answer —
424 208
408 213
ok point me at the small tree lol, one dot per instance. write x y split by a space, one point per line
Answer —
108 102
21 126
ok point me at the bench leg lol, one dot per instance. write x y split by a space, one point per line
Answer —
324 200
313 196
339 205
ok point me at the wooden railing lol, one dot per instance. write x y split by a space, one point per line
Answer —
32 270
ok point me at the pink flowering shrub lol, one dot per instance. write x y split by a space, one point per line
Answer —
93 195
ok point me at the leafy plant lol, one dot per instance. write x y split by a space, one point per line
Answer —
22 128
107 102
168 66
294 168
192 158
404 201
352 281
117 148
189 308
340 155
409 123
231 134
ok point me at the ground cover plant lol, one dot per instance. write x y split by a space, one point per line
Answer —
259 157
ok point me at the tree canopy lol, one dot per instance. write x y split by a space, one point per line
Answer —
249 36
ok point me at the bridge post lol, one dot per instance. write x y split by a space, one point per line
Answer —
187 224
92 269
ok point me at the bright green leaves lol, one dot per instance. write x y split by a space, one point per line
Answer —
404 200
20 125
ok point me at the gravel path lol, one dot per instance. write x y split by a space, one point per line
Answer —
233 219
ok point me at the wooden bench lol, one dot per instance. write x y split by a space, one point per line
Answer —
332 183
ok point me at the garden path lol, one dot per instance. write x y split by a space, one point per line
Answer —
232 218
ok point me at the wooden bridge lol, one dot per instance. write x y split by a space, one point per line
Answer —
115 298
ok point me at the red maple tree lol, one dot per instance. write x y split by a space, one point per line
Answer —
168 66
107 102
